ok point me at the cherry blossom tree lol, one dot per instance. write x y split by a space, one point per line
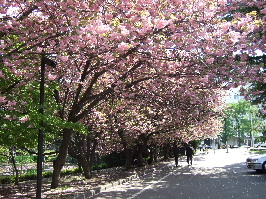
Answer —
106 47
83 146
155 117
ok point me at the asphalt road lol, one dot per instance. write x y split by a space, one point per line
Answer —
217 175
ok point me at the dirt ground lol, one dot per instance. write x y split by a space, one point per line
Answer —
69 184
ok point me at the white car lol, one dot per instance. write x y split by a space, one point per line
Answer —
257 145
260 145
263 145
257 162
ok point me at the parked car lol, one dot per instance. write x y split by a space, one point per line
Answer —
257 145
263 145
257 162
208 146
260 145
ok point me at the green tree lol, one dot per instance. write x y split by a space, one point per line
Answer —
20 117
242 119
227 130
256 90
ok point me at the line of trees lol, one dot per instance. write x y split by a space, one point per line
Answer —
127 73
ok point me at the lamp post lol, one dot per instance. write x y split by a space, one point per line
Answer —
225 129
51 63
251 129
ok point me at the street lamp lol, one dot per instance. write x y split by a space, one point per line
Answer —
251 129
44 61
226 141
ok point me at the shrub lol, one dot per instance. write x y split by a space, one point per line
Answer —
24 159
32 175
3 159
100 166
47 174
114 159
70 171
26 177
7 179
31 171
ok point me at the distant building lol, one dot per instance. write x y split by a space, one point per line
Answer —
233 96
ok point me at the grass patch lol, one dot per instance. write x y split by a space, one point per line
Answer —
257 151
32 175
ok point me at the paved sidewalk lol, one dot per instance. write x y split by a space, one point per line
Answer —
149 169
218 174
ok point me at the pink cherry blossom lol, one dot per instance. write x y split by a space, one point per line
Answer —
222 2
12 103
263 11
1 74
101 28
7 117
159 23
225 27
123 47
24 119
124 31
52 77
63 58
209 60
263 111
3 99
131 67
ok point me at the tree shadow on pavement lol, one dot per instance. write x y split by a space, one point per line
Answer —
194 182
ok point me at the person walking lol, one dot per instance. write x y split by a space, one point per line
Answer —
189 154
176 154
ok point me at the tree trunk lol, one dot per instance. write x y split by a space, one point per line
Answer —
140 159
61 158
156 153
79 167
129 156
15 168
140 155
152 154
142 148
83 161
86 166
56 173
83 148
128 150
166 151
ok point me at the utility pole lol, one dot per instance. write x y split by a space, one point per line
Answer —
40 135
44 61
251 127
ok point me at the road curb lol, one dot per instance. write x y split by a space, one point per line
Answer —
92 192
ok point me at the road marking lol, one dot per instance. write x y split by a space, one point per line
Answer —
150 186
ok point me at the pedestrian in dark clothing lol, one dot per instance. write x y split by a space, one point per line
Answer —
176 154
189 154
